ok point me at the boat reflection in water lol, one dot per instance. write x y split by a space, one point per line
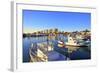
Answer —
71 48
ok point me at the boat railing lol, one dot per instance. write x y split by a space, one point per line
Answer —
33 53
43 49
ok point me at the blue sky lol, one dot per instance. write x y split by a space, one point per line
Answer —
65 21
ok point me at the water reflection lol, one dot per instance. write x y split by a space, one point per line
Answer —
71 48
71 53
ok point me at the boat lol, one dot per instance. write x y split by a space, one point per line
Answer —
61 43
42 52
72 41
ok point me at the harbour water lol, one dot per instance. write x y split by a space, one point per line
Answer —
72 53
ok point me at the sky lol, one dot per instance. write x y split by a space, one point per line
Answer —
35 20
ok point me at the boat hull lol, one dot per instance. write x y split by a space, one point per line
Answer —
76 45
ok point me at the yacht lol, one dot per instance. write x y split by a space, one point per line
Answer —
72 41
42 52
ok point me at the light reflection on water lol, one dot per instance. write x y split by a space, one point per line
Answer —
74 53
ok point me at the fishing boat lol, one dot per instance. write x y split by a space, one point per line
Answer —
42 52
72 41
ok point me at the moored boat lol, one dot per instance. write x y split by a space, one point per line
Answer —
61 44
42 52
72 41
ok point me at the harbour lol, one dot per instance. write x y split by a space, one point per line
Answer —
56 36
58 53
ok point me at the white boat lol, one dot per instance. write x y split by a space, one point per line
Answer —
61 44
41 52
38 51
75 42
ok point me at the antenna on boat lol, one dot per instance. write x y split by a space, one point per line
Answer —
47 40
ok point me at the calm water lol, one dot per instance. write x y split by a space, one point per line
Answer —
73 53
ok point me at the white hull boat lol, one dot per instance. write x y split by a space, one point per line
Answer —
76 42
